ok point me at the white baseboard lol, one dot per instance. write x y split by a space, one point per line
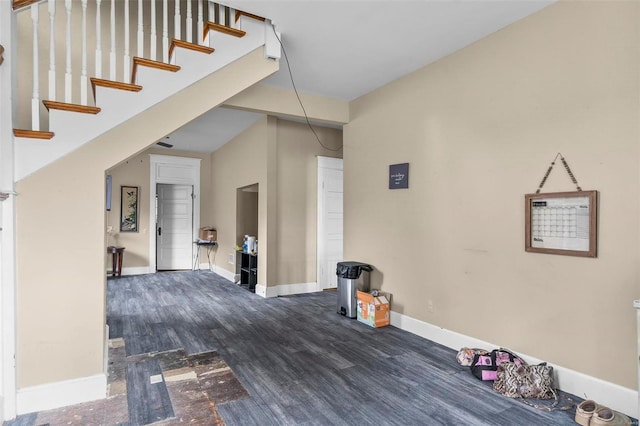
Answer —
605 393
106 350
223 273
135 270
286 289
61 394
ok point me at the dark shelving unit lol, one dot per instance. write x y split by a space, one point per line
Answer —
247 268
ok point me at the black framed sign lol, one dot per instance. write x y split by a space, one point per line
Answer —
399 176
562 223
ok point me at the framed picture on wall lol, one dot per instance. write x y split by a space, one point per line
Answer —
128 209
562 223
108 193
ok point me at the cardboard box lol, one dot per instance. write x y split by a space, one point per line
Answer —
209 234
374 311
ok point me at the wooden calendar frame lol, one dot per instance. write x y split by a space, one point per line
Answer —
583 243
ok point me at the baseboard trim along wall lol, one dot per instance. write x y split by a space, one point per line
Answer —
231 276
605 393
61 394
285 289
135 270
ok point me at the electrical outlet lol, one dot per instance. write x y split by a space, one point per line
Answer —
232 259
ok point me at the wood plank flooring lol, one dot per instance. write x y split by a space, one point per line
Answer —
230 357
301 363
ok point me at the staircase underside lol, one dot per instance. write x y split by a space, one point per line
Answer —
152 83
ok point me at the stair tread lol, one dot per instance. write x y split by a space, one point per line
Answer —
63 106
33 134
223 29
240 13
191 46
110 84
137 61
18 4
115 84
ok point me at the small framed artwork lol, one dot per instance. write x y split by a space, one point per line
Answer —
562 223
399 176
108 192
129 209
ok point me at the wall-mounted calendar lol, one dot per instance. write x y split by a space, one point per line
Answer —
562 223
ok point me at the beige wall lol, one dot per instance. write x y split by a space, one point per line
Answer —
297 197
281 157
239 163
135 172
479 129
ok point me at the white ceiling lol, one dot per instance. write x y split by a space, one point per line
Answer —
345 49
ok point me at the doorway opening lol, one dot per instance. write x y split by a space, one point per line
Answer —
330 220
246 212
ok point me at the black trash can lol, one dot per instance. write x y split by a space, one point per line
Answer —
352 276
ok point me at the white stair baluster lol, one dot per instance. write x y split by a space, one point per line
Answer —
126 59
68 78
232 21
112 52
200 25
189 23
154 38
35 98
165 31
83 75
98 41
177 30
140 32
52 51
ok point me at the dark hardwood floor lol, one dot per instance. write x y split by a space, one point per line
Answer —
303 364
192 347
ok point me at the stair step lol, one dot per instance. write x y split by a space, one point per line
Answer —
223 29
113 85
33 134
152 64
191 46
17 4
240 13
62 106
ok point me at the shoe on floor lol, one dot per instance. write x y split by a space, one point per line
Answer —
607 417
585 411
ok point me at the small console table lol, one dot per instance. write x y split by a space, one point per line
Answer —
117 253
210 246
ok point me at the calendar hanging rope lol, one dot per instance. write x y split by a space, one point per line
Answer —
567 168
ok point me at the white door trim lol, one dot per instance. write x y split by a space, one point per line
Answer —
172 170
323 163
8 31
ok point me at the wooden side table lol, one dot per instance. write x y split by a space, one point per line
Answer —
117 253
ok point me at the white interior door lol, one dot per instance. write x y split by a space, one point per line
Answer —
174 227
330 218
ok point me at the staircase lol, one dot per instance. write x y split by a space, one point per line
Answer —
177 43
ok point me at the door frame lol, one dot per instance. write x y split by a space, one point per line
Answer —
172 170
323 164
